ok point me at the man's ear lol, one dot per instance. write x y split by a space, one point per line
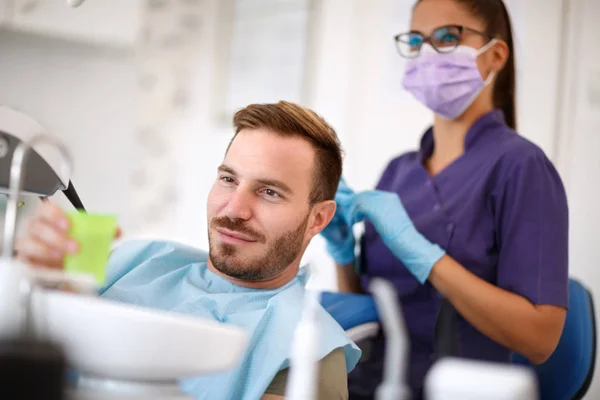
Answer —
320 216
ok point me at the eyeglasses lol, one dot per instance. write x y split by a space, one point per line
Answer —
444 40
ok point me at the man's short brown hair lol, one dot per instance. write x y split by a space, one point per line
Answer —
289 119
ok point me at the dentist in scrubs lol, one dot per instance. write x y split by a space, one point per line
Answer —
476 215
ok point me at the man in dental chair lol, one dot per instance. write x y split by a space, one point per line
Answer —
273 193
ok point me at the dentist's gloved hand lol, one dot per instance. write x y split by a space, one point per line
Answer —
338 233
387 214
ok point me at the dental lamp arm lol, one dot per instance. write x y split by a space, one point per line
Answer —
505 317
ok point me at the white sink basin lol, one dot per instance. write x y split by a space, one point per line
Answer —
108 339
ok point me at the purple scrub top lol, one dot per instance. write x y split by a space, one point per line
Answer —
500 210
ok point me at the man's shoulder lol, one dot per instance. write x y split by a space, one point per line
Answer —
332 378
290 305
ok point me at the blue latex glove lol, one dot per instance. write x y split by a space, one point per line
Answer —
338 233
387 214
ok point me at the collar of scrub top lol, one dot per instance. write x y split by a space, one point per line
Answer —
493 117
45 174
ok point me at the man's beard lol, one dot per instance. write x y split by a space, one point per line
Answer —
279 255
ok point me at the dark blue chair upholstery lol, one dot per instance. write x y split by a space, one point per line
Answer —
349 309
567 374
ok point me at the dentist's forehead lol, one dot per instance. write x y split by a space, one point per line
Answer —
429 15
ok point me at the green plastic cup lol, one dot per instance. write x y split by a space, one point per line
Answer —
94 233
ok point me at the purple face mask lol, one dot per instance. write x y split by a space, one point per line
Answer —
446 83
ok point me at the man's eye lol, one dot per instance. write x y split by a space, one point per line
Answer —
271 193
227 179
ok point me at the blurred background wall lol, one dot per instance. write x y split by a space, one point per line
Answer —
143 92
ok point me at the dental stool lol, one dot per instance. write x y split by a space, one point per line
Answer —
566 375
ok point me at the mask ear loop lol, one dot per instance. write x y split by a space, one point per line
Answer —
489 78
487 46
482 50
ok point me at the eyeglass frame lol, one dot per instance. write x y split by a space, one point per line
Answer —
427 39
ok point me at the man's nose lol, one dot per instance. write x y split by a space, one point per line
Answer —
239 205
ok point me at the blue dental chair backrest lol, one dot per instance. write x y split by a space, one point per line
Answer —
567 374
356 314
350 309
